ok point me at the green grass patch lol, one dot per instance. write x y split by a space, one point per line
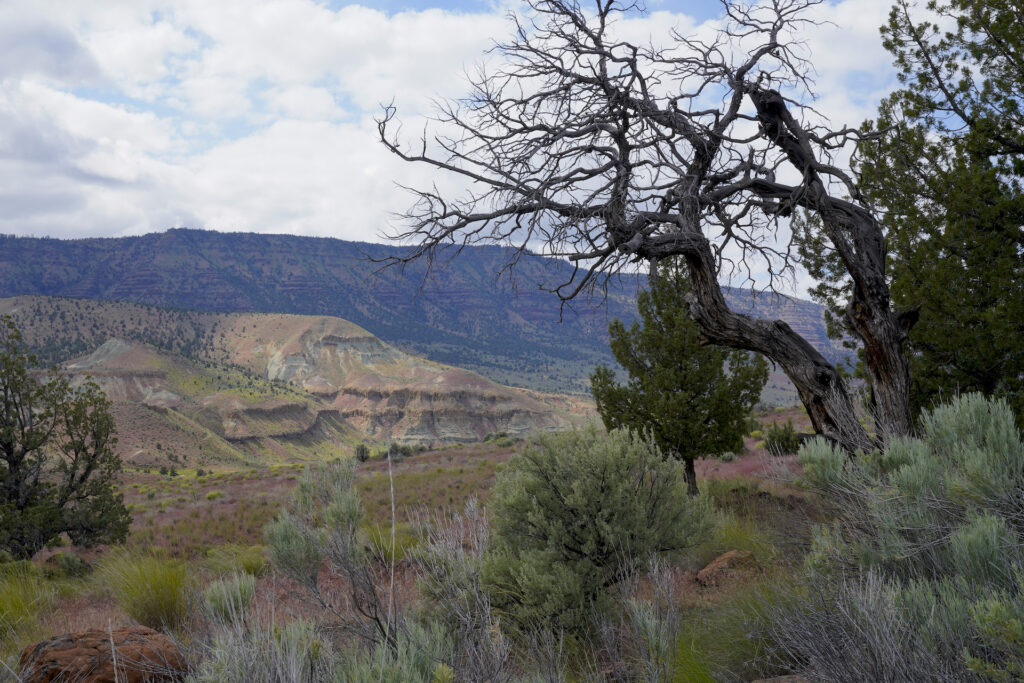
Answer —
725 641
25 595
232 559
153 591
379 537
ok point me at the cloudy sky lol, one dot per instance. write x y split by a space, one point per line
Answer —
124 117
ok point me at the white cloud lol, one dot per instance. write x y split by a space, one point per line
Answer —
127 116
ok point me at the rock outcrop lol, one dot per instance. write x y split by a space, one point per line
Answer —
132 654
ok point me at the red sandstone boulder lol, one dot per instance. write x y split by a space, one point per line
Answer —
726 565
140 654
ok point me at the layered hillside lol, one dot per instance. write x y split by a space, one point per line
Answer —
241 386
506 327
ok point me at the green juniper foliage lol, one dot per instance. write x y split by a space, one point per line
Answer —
57 462
946 168
694 400
574 514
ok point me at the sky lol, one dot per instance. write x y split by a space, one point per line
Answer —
122 117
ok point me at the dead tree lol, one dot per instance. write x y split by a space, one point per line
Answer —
611 154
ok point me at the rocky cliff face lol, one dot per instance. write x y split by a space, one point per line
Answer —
262 386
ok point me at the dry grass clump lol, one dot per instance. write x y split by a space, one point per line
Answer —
154 592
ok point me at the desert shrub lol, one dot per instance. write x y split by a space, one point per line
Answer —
154 592
362 452
214 495
230 559
323 522
416 657
262 651
752 424
574 514
925 558
450 557
227 600
781 439
68 566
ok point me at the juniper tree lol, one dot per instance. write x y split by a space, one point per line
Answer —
58 468
692 399
946 173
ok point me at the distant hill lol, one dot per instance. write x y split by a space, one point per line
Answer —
464 314
258 388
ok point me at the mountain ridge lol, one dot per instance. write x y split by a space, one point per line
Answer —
505 327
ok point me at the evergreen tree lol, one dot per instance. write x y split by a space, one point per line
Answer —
58 468
692 399
946 166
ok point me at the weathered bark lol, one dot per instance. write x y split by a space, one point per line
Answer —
690 474
859 242
822 391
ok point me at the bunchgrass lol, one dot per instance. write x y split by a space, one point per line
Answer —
227 600
152 591
25 595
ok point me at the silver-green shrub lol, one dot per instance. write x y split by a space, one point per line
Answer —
321 528
574 514
227 600
450 557
921 574
260 651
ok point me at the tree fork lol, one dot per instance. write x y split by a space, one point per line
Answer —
822 391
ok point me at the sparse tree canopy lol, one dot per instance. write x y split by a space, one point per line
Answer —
612 154
57 463
692 399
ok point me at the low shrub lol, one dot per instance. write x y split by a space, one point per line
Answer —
323 522
68 566
921 576
577 512
227 600
260 651
214 495
231 559
781 439
154 592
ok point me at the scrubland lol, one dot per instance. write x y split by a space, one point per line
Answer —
848 569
